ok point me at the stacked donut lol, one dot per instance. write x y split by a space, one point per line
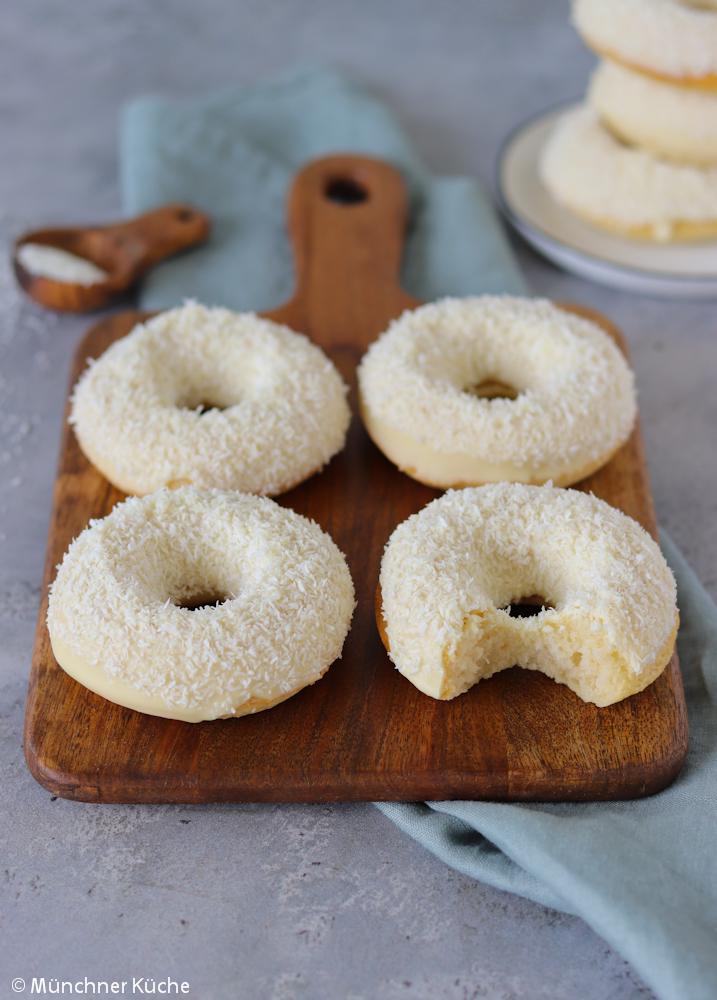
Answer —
640 156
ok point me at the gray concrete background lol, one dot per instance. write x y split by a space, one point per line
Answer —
282 901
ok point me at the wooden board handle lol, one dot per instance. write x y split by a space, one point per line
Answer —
150 238
347 217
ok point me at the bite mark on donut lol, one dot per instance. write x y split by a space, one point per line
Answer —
451 604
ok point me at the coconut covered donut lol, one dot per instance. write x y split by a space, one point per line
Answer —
623 189
425 388
675 40
199 604
211 398
675 123
450 573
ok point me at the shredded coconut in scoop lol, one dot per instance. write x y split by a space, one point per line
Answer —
52 262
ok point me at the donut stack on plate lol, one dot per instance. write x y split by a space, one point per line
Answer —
639 157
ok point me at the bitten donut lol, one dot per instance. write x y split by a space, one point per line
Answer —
675 40
211 398
200 604
451 572
671 122
623 189
564 398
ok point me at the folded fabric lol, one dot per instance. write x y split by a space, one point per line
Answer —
234 155
643 874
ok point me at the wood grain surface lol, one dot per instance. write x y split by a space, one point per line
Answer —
363 731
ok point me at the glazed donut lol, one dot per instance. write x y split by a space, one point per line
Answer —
623 189
211 398
422 382
671 122
674 40
199 604
608 621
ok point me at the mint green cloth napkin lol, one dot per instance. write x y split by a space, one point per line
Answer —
643 874
234 154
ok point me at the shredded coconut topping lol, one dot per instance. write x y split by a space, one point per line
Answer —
678 123
666 36
60 265
287 598
447 570
212 398
591 172
576 398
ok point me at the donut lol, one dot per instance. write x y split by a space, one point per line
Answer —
563 398
674 40
626 190
211 398
200 604
606 616
675 123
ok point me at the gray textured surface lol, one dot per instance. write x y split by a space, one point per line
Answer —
275 901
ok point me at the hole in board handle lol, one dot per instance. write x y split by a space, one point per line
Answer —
345 191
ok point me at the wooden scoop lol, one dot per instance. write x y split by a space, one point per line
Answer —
125 250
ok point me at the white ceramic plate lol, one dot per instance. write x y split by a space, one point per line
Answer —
674 270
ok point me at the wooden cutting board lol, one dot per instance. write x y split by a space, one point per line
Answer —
363 732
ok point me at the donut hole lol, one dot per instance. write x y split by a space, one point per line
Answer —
492 388
202 403
203 581
200 587
214 387
528 607
203 408
170 567
201 599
